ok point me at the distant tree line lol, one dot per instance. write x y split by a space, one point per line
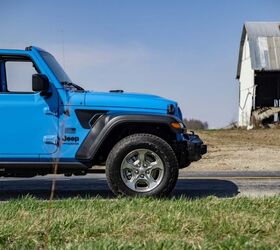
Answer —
196 124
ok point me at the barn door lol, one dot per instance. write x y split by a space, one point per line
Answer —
268 89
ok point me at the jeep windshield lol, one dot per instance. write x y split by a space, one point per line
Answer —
58 71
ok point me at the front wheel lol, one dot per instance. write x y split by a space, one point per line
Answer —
142 165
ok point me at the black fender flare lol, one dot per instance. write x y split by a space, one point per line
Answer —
107 122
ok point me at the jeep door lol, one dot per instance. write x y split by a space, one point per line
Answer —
29 122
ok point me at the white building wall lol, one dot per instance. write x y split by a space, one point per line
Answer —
246 87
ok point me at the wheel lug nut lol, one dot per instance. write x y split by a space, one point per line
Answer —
142 176
136 171
147 172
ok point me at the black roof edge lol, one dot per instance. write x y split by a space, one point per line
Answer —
242 40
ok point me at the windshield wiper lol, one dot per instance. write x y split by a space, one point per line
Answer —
70 84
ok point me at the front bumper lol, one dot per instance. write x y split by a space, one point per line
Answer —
195 147
190 149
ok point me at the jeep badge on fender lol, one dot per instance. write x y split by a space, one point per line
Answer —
73 139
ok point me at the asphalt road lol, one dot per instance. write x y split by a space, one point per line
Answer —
190 184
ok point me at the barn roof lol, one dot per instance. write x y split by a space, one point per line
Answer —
264 43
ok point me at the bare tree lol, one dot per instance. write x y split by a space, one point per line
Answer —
196 124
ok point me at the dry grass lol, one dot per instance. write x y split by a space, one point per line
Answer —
240 150
208 223
256 137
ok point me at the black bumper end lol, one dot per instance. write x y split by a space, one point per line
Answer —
195 150
191 150
203 149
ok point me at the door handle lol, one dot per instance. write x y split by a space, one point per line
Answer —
47 111
50 139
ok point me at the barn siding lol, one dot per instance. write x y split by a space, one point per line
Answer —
246 87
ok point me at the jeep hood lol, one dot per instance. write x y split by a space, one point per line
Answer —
120 101
127 100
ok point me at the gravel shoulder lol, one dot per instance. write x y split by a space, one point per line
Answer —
239 150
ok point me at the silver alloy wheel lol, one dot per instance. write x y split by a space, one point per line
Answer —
142 170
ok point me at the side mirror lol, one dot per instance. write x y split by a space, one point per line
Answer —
40 83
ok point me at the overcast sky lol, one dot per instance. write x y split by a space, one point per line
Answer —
183 50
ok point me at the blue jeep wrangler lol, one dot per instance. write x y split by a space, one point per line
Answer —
45 118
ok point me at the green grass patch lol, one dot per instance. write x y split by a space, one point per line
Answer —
210 223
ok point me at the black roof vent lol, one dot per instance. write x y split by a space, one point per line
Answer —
28 48
116 91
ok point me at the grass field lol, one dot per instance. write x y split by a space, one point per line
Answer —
210 223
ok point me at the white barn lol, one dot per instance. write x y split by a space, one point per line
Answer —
258 73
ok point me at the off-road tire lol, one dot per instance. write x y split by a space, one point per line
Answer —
142 141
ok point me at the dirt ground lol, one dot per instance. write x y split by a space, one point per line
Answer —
235 150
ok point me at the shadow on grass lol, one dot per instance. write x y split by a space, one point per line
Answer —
85 187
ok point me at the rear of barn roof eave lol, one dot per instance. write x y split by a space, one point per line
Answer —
264 43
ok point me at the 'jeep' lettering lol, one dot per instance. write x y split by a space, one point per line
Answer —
73 139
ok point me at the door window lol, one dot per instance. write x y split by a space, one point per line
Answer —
19 76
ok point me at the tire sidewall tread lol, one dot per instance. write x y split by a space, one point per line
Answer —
137 141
